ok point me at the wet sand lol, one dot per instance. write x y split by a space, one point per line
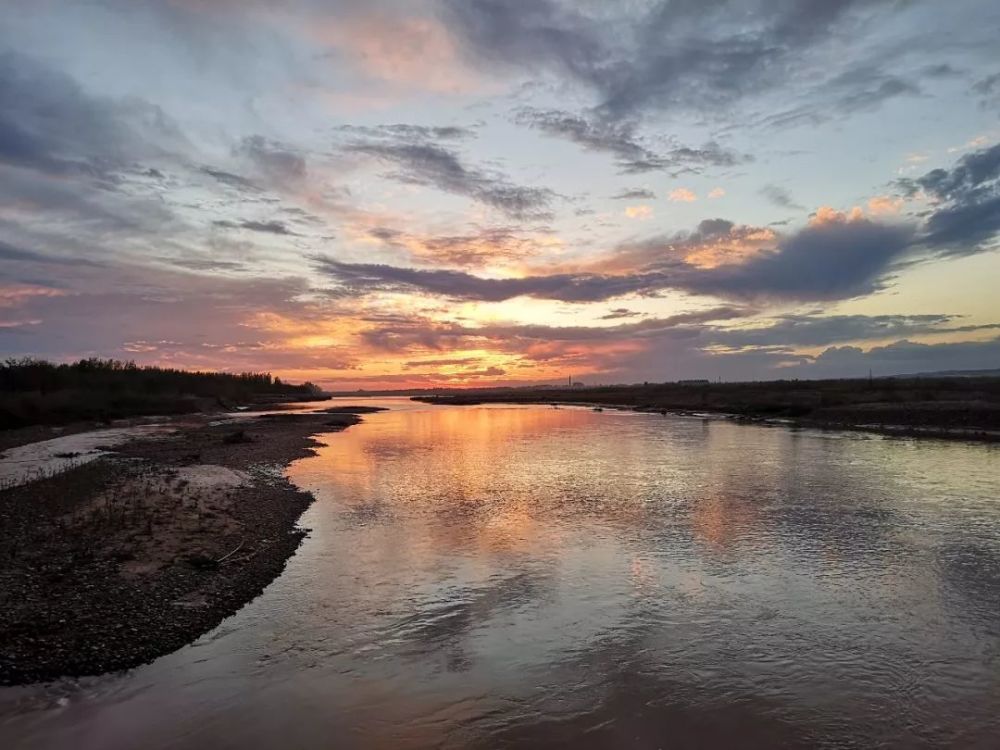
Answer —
135 553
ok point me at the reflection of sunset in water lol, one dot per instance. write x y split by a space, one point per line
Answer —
512 576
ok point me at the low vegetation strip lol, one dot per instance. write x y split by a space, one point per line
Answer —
951 406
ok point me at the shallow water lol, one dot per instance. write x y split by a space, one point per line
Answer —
529 576
46 458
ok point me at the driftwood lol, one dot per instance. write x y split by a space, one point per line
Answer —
230 554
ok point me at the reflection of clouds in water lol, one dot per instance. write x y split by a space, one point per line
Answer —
970 572
594 567
510 577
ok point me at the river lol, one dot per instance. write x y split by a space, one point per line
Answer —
530 576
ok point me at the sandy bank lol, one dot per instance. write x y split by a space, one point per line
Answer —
137 552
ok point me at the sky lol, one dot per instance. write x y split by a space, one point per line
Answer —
394 194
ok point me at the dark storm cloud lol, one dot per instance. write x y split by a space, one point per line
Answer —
835 260
426 163
620 138
966 218
780 197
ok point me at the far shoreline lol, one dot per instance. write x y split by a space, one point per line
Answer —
951 408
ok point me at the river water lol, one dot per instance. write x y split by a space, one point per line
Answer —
531 576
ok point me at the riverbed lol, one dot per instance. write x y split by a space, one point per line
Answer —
503 576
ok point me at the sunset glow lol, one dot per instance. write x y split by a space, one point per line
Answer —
464 193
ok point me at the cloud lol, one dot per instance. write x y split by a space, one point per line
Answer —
712 243
906 357
427 163
409 132
480 247
50 125
639 212
884 205
408 333
819 330
620 312
231 180
621 139
965 217
366 277
274 160
176 318
267 227
662 55
716 193
635 194
682 195
840 258
690 344
835 260
446 362
12 253
780 197
397 45
988 89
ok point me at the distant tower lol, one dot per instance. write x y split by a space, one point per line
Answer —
570 381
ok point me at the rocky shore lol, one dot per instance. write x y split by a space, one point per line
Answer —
131 556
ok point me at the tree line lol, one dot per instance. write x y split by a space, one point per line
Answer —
34 391
112 375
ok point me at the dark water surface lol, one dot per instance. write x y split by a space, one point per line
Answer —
508 577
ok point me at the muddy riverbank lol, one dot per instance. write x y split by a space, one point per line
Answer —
113 563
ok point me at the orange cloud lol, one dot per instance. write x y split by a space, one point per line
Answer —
638 212
716 192
738 246
12 295
884 205
408 52
682 195
829 215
